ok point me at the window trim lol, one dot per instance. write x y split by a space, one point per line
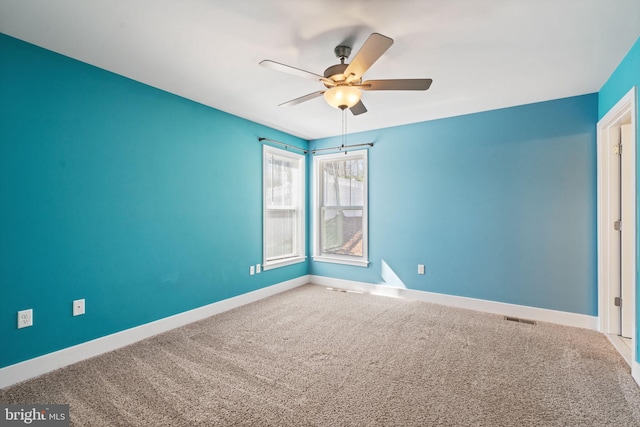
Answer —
362 261
299 255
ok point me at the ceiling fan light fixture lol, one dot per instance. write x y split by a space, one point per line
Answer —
342 97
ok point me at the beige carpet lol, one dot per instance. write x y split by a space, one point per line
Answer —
315 357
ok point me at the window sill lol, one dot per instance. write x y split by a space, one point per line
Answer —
270 265
354 262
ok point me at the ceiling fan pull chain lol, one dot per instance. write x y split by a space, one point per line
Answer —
344 113
344 129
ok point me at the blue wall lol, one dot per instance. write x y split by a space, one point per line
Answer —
141 202
499 205
625 77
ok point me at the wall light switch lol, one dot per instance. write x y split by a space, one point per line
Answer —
258 268
252 270
78 307
420 268
25 318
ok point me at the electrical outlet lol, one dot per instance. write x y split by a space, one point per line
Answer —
78 307
25 318
258 268
252 270
420 268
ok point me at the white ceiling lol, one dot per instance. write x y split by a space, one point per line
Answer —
481 54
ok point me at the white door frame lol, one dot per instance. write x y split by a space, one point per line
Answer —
608 259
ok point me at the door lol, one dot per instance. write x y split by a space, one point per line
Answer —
622 250
627 240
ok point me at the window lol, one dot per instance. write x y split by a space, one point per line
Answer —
340 214
283 201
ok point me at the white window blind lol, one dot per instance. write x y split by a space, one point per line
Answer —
284 214
340 214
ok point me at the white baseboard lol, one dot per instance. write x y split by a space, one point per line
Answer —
505 309
627 354
32 368
622 348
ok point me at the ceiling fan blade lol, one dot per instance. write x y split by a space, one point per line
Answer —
302 99
359 108
397 84
295 71
371 50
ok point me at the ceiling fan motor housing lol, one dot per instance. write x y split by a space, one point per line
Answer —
336 72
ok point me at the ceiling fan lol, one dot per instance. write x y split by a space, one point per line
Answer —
344 83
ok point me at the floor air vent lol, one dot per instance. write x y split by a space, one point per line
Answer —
344 290
519 320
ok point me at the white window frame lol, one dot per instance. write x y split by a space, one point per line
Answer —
360 261
299 238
